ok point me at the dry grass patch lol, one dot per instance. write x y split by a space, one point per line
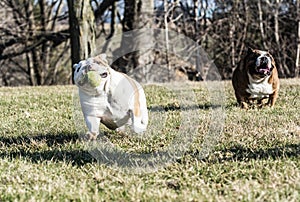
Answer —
255 159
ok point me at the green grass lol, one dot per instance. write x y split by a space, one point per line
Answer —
256 158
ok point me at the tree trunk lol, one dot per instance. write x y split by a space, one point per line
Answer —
283 70
34 68
136 17
245 28
297 70
82 31
167 37
87 29
232 41
45 54
74 36
196 25
261 25
130 23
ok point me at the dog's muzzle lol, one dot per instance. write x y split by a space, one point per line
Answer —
263 65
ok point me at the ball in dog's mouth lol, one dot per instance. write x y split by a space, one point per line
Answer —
93 78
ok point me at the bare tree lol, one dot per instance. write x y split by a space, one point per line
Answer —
34 35
29 34
297 70
82 30
138 14
261 25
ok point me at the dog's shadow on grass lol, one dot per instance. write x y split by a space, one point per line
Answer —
61 147
242 153
174 107
46 147
30 147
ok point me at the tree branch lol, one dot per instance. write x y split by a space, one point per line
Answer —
56 38
102 8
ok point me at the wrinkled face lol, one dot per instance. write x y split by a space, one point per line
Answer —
82 79
259 63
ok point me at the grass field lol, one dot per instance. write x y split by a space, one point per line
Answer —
255 158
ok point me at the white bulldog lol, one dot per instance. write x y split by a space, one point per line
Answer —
109 97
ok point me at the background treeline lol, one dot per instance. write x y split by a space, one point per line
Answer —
41 39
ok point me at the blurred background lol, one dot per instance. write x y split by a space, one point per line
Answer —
41 39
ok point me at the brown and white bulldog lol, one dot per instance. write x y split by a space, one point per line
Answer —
114 99
256 79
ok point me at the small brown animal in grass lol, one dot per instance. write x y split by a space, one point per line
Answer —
256 79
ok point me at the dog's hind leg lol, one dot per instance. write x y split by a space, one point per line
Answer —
139 123
272 99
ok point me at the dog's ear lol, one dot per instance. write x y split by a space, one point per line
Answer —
246 51
101 59
103 56
249 49
272 60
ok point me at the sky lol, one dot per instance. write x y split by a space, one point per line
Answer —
160 3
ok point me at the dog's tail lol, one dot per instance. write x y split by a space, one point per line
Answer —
140 123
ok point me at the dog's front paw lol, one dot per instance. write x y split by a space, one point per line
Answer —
121 130
91 136
244 105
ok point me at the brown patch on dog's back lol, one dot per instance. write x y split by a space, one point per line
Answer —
136 109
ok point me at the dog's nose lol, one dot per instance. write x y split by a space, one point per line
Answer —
264 60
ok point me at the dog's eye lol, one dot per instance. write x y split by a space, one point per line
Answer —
257 55
268 55
103 75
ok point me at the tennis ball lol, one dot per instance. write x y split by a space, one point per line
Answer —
94 79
